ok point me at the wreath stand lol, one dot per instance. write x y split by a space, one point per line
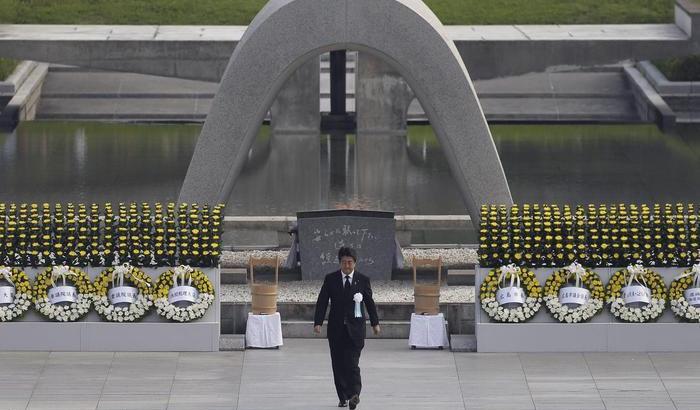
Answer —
153 333
603 333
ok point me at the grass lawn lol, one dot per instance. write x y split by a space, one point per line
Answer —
7 66
240 12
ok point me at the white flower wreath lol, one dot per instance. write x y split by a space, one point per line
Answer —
187 277
69 312
22 289
679 304
644 277
583 277
134 311
518 276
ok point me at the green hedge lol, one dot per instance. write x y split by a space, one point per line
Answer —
537 235
7 67
148 235
680 69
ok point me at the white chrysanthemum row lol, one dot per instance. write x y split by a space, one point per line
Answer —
178 314
683 309
651 311
514 315
131 313
572 315
65 313
19 305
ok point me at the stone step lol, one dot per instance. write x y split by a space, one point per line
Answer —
459 315
392 329
460 277
234 276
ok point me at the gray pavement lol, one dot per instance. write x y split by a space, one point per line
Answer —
298 376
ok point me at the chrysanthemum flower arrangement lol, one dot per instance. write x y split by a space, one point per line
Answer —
75 303
16 290
684 294
626 294
123 293
182 279
520 280
586 293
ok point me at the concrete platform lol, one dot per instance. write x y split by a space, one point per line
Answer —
298 376
588 96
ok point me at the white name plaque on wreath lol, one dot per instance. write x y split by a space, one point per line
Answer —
572 295
60 294
510 295
122 294
183 294
692 295
636 294
7 294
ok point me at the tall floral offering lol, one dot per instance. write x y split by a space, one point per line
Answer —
510 294
685 294
123 293
636 294
574 294
63 293
183 294
15 293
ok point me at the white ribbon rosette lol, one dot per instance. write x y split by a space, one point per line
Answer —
183 293
357 297
513 293
120 293
6 273
575 295
63 293
639 293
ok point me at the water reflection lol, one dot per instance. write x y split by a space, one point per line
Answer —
49 161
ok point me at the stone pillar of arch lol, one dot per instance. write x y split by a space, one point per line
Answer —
403 33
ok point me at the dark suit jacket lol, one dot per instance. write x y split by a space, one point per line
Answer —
342 312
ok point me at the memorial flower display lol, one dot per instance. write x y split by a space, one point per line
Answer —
684 294
79 235
62 293
510 294
15 293
183 294
578 302
636 294
123 293
548 235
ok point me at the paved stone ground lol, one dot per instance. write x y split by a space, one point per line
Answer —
298 376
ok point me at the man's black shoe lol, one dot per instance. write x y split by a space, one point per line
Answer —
343 403
354 401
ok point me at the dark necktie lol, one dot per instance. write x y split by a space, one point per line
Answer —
346 288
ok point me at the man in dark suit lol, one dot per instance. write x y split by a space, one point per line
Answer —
346 333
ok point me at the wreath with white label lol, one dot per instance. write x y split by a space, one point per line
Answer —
577 303
183 294
15 294
521 280
641 285
123 293
684 293
63 293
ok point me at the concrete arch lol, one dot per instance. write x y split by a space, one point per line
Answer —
404 33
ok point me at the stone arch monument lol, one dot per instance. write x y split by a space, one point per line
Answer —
404 33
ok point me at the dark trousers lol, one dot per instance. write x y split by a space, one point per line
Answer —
345 358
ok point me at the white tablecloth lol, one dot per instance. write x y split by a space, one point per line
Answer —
263 330
428 331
